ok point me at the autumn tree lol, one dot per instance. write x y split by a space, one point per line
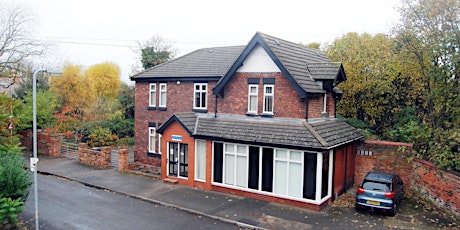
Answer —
72 88
376 87
104 82
430 36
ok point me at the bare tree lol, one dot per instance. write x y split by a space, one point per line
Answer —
17 42
153 52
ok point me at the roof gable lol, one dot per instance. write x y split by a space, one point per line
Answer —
257 40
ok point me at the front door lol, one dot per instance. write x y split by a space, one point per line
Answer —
178 159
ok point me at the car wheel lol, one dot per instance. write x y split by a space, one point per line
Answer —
393 210
358 208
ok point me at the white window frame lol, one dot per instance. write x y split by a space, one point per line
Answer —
317 200
324 103
289 162
153 95
152 146
200 167
256 95
235 171
163 93
269 95
200 91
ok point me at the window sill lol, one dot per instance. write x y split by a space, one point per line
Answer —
162 108
249 114
151 108
200 110
267 115
155 155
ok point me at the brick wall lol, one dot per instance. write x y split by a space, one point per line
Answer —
279 200
179 99
421 178
439 186
176 129
48 144
99 159
391 157
286 100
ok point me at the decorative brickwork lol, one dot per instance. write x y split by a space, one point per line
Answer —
95 158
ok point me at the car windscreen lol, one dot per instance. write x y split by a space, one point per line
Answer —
376 186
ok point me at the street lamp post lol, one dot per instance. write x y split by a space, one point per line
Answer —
34 160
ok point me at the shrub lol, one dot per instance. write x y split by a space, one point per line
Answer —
15 180
101 137
9 210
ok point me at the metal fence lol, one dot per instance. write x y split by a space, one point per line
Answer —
69 150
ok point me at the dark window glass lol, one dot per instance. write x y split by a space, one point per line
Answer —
309 183
218 161
253 179
267 169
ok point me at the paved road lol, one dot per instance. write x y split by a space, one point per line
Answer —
69 205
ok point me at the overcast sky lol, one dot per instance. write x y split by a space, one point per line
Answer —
88 32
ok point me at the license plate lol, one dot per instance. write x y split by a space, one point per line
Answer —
373 202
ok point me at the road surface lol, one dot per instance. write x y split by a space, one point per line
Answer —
65 204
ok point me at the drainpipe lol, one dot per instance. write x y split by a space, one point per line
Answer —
215 110
306 108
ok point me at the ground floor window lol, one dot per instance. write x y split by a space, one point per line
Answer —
284 172
178 159
200 160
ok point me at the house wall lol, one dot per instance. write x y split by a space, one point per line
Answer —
176 129
179 99
286 100
344 168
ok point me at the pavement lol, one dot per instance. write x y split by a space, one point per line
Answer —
244 212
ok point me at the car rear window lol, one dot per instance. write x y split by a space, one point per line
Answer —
376 186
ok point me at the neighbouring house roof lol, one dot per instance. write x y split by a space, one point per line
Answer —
203 63
323 134
300 64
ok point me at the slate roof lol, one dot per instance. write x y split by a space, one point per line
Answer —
300 64
203 63
296 58
325 134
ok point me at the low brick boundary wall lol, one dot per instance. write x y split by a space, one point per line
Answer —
48 144
95 158
439 186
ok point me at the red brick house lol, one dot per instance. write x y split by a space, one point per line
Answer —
255 120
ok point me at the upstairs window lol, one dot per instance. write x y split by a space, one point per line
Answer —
200 98
252 98
162 95
268 99
152 95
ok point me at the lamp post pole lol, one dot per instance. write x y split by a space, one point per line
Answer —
34 160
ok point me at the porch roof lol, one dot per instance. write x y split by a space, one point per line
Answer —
324 133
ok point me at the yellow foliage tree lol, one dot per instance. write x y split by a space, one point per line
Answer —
104 80
72 88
